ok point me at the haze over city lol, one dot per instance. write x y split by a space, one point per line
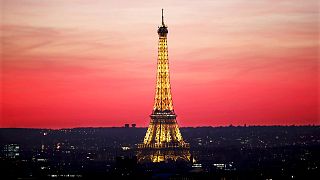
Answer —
93 63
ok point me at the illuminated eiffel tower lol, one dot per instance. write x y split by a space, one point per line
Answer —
163 140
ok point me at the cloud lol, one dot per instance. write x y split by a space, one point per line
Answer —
230 60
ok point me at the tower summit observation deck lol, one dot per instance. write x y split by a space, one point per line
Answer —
163 140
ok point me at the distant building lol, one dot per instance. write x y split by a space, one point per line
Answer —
226 167
11 151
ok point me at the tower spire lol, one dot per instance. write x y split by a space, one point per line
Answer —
162 19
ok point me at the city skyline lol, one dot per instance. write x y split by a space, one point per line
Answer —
76 64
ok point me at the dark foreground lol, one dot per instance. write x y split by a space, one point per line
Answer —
222 153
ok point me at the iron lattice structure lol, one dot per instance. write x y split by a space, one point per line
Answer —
163 140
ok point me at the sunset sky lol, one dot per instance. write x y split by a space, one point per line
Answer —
80 63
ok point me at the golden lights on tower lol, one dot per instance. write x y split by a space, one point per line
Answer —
163 140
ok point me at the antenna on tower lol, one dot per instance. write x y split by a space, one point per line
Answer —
162 19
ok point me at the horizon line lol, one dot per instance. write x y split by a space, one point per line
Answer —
130 127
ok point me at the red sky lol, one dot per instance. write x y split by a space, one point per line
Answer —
93 63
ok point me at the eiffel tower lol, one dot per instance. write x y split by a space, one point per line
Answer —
163 140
